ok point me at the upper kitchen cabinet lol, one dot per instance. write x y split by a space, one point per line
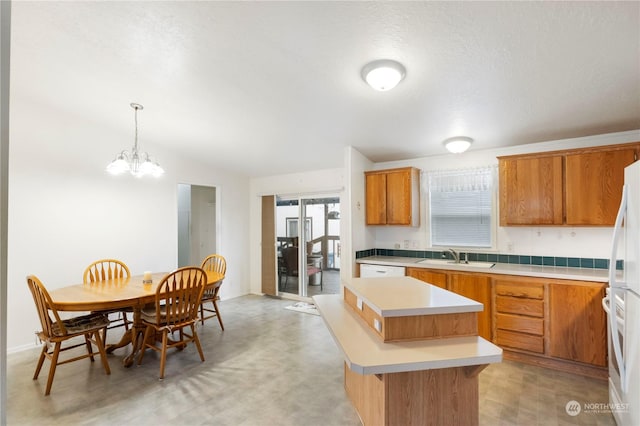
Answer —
393 197
573 187
594 185
531 190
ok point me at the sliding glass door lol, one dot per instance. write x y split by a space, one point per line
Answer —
308 233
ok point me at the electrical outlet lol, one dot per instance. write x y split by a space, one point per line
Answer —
359 303
396 245
377 325
510 247
414 244
406 244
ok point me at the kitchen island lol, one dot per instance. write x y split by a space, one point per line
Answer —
411 350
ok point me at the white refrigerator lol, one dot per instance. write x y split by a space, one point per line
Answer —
622 304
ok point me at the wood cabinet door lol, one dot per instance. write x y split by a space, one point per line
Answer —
376 199
429 276
478 288
399 197
594 185
577 323
531 191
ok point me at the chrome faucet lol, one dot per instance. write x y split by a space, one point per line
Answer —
456 256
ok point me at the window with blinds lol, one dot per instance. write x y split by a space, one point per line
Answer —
460 207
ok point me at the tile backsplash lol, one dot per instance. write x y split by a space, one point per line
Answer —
572 262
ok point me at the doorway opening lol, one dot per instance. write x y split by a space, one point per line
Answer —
197 223
311 223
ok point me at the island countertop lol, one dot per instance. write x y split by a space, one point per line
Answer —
365 353
407 296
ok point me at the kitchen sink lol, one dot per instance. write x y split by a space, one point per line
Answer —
447 262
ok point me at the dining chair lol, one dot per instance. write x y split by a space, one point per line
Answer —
107 269
290 257
215 263
178 296
56 331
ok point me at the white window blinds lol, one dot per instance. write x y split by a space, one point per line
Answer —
460 207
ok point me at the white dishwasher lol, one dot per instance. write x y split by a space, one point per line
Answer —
372 271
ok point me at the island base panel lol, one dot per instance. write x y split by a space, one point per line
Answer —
446 396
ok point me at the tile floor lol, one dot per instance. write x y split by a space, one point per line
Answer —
271 366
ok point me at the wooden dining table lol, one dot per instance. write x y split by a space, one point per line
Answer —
117 293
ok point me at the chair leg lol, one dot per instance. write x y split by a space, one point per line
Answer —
196 340
103 353
40 361
202 312
52 368
104 337
87 342
144 344
321 276
163 355
215 305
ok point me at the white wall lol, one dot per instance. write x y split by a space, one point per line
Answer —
553 241
318 182
358 236
65 211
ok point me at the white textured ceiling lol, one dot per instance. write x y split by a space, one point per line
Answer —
274 87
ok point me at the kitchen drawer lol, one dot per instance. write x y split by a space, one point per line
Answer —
514 305
519 323
527 342
528 291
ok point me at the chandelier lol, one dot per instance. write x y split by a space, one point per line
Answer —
134 162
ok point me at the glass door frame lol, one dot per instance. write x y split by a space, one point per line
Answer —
302 202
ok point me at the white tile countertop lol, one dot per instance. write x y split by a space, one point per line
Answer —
407 296
365 353
556 272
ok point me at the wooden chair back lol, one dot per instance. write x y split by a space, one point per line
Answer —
105 269
216 263
290 257
44 305
178 296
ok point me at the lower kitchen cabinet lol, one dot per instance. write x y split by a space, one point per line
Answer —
429 276
578 324
553 323
476 287
519 318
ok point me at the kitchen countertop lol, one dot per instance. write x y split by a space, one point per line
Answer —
407 296
365 353
556 272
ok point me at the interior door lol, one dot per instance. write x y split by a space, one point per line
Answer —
197 223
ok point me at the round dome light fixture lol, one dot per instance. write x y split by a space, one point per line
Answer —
458 144
383 74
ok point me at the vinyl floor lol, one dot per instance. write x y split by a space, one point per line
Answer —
271 366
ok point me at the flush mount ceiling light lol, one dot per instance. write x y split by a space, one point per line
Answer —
383 74
134 162
458 144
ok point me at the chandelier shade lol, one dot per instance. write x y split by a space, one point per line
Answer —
137 163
